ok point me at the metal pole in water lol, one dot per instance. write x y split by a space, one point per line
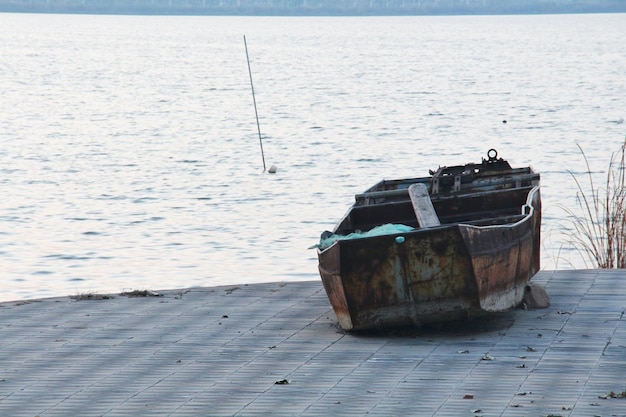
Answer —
254 101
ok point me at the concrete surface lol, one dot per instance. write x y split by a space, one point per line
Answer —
275 350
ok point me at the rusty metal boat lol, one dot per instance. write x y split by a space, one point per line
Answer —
462 242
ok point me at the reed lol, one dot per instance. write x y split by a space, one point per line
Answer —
598 229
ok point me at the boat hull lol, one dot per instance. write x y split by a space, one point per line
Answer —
437 274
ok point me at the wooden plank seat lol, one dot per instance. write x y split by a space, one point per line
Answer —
423 207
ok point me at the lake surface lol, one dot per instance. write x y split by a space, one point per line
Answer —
130 158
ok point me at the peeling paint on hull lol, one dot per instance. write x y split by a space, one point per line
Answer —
449 272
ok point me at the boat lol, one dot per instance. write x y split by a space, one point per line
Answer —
460 243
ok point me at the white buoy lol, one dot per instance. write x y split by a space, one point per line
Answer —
272 169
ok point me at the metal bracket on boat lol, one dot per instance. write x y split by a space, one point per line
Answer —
435 182
435 187
492 154
494 163
457 183
442 178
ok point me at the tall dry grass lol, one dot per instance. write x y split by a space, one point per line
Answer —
598 227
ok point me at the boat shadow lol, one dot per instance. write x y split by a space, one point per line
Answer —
475 326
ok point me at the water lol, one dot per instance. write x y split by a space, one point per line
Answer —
129 156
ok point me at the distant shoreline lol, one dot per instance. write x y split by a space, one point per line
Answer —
312 8
183 13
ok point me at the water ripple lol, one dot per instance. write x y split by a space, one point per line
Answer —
132 159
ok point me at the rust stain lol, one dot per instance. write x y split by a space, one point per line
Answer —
479 260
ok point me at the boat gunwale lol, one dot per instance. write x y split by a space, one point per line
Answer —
527 206
399 186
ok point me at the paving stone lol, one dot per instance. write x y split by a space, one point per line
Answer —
220 351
